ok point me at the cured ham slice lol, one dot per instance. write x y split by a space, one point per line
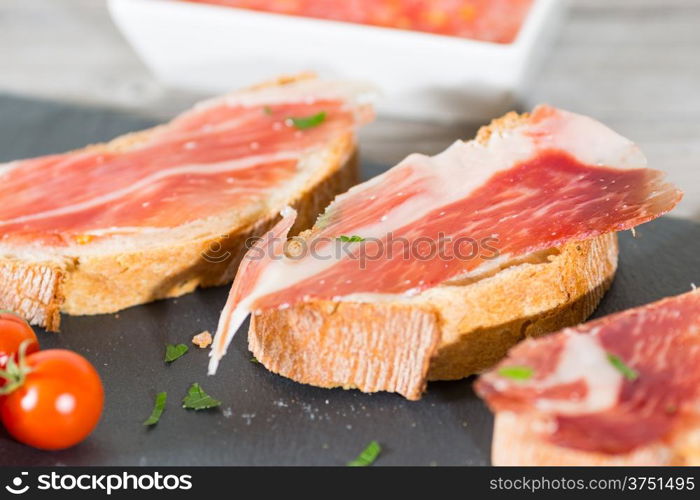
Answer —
226 154
609 386
158 213
555 178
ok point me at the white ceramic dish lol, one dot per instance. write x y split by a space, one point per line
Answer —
423 76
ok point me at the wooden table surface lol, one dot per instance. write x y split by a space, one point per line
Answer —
633 64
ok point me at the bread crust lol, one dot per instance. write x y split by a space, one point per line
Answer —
482 321
96 283
32 290
446 333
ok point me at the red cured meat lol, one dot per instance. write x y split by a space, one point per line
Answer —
487 20
543 212
208 161
271 246
660 342
557 177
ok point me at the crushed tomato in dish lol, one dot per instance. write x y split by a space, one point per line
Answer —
486 20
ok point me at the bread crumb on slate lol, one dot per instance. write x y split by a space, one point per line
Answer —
202 340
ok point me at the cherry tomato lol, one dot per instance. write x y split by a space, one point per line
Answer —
13 331
58 403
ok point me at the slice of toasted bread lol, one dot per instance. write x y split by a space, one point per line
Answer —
40 283
619 390
447 332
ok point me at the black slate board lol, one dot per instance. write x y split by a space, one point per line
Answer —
266 419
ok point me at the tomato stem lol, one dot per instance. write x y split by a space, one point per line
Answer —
15 372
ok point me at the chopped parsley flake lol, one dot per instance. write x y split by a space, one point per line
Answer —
158 409
350 239
628 372
516 372
197 399
304 122
368 455
173 352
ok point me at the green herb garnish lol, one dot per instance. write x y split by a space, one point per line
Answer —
197 399
516 372
368 455
351 239
158 408
254 360
173 352
304 122
267 110
627 372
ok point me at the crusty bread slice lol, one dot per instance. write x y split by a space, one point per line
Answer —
108 276
516 443
448 332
